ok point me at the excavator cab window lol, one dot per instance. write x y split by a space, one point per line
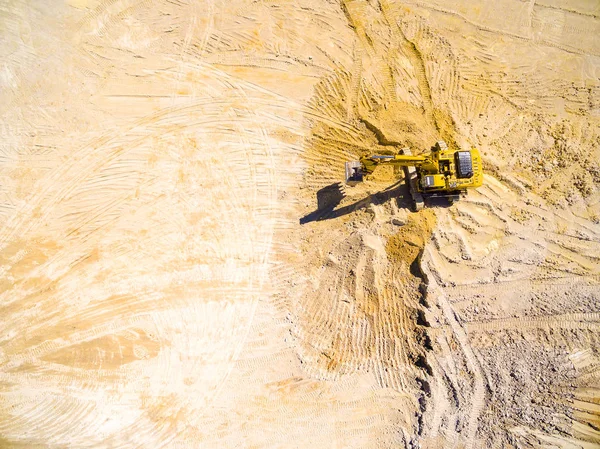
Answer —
464 164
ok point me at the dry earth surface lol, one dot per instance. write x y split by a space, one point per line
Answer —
180 266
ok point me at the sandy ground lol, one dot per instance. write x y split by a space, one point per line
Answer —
180 266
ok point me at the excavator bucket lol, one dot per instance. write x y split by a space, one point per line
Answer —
354 173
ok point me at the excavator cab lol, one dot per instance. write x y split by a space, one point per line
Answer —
464 164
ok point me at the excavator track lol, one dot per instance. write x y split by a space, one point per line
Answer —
410 177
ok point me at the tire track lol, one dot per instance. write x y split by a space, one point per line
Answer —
252 159
89 160
355 82
479 390
418 63
587 321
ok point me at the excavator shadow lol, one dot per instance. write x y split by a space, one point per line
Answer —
329 197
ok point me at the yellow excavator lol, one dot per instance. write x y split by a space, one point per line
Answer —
441 173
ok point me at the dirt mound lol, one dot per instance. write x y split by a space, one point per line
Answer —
406 245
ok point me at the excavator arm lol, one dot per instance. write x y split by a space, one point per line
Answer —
370 163
355 170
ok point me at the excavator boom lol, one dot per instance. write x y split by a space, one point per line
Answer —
370 163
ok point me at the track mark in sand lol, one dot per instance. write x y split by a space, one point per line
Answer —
535 39
90 159
545 284
590 321
478 398
432 65
585 402
416 59
463 17
442 408
207 33
420 72
530 7
271 188
187 40
355 82
541 4
248 168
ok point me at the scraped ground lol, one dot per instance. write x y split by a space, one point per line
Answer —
181 267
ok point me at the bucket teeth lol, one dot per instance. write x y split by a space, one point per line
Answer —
354 173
